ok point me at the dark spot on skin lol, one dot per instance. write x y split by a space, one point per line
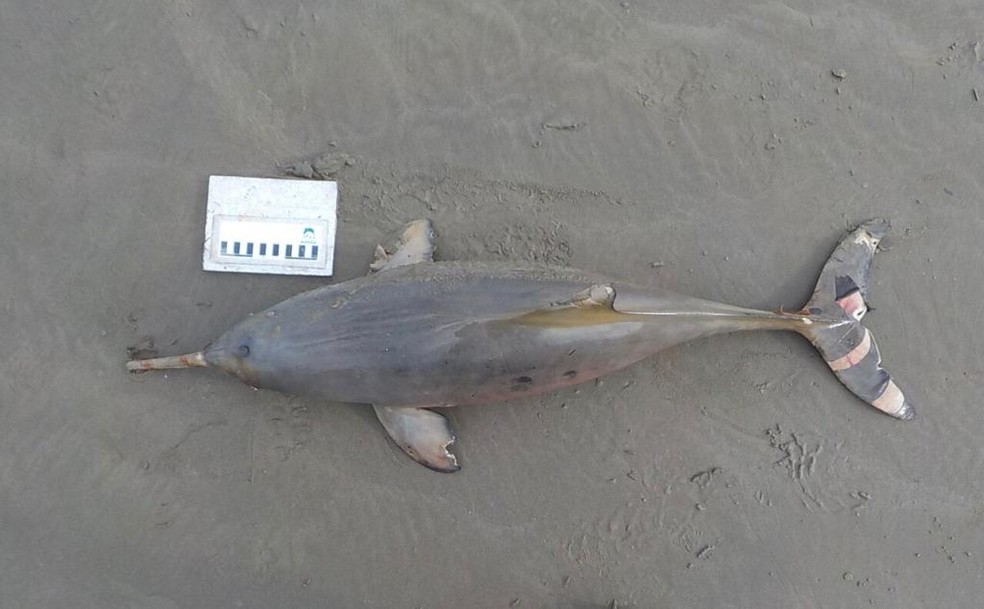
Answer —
570 374
521 383
243 351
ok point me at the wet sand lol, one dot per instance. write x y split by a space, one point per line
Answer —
712 148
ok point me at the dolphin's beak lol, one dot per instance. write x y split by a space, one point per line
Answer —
188 360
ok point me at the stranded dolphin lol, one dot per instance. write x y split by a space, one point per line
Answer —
417 334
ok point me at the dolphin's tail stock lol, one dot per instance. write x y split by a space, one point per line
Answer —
838 304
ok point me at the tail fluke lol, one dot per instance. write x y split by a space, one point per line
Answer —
837 306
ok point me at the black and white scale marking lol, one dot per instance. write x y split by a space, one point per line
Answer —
269 245
281 251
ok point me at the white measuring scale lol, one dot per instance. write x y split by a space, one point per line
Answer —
260 225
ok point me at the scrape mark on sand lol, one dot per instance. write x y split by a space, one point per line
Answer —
800 461
810 464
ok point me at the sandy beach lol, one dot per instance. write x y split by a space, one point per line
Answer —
714 148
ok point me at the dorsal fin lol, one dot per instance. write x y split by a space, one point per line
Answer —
595 296
592 306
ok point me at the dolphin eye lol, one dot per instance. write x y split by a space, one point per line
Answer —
243 351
